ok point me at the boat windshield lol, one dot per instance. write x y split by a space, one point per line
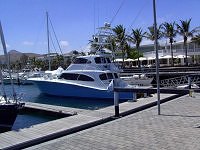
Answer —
108 60
106 76
73 76
100 60
81 61
116 76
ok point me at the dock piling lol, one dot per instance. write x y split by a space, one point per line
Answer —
116 103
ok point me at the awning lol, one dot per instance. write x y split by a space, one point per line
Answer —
165 57
119 59
151 58
142 58
181 56
129 59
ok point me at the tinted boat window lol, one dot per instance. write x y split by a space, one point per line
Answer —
108 60
110 76
68 76
85 78
81 61
103 76
72 76
97 60
116 76
103 60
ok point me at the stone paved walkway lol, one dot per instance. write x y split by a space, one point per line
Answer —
177 128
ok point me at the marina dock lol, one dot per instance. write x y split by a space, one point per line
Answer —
177 128
79 120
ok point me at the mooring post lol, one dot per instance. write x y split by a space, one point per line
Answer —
134 97
116 103
189 82
145 95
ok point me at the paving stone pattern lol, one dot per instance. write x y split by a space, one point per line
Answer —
177 128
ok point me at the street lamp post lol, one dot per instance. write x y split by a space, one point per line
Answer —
157 60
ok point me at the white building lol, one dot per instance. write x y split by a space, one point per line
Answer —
164 52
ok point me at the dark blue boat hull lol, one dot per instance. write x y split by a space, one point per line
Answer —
8 114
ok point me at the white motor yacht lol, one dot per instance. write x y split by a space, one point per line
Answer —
91 76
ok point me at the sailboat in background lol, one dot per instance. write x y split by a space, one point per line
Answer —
59 70
9 107
37 73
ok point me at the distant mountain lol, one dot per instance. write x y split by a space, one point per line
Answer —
15 55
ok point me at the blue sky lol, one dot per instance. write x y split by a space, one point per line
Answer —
24 21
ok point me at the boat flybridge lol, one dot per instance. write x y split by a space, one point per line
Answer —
90 76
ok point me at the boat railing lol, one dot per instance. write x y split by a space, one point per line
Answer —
180 81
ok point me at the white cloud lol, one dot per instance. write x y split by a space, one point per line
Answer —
64 44
27 43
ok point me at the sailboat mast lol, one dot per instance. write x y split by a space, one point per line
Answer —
48 46
7 61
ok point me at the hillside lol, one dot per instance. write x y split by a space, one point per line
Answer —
15 55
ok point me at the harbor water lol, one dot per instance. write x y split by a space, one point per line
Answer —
30 93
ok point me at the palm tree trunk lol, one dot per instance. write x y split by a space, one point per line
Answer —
172 62
139 66
137 47
186 60
123 55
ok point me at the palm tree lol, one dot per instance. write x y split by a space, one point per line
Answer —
120 39
136 38
196 39
184 30
170 32
150 35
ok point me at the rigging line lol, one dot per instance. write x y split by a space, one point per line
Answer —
138 14
55 35
94 16
52 43
122 3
